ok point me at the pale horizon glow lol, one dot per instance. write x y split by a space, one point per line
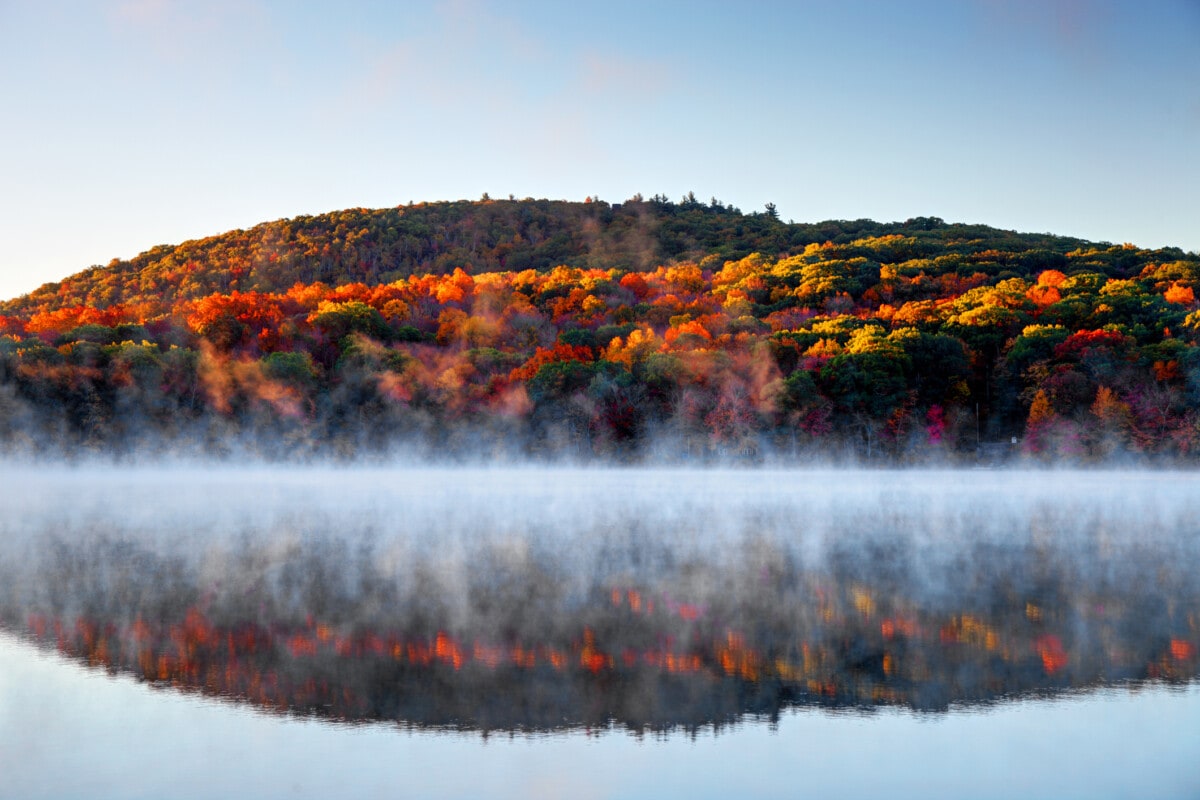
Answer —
146 122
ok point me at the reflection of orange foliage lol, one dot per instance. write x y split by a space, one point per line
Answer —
419 653
1182 650
635 601
302 645
1050 648
737 659
898 626
523 657
447 650
489 656
666 660
591 658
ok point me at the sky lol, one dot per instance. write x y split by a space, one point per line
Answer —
129 124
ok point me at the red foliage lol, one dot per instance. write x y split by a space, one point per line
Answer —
636 284
49 324
560 352
1077 343
11 326
936 424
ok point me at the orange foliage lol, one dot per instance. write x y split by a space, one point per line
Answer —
560 352
254 309
454 288
49 324
690 328
915 312
352 291
1043 295
1051 278
450 323
1180 295
1040 409
1166 370
308 296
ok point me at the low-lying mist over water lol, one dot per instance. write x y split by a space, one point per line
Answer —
550 600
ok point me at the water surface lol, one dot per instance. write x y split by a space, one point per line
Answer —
607 633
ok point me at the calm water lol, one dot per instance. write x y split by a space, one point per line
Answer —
201 633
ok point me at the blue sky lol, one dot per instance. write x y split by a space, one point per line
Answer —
129 124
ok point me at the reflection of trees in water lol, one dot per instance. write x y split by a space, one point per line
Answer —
506 636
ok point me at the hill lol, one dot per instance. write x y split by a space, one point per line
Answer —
646 329
384 245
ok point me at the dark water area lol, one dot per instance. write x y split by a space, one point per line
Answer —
563 608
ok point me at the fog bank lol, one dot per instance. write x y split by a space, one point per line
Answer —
538 598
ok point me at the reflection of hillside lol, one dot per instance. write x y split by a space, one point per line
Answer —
521 646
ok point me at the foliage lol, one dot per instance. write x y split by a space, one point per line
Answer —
640 328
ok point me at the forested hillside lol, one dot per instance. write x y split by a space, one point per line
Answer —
641 330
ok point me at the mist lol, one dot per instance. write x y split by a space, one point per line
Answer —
547 598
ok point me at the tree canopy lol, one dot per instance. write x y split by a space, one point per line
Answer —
640 329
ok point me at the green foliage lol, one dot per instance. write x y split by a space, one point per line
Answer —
349 328
580 337
363 355
558 379
294 369
867 383
339 320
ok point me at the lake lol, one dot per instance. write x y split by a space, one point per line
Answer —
201 631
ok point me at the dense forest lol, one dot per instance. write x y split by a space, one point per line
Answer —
645 330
